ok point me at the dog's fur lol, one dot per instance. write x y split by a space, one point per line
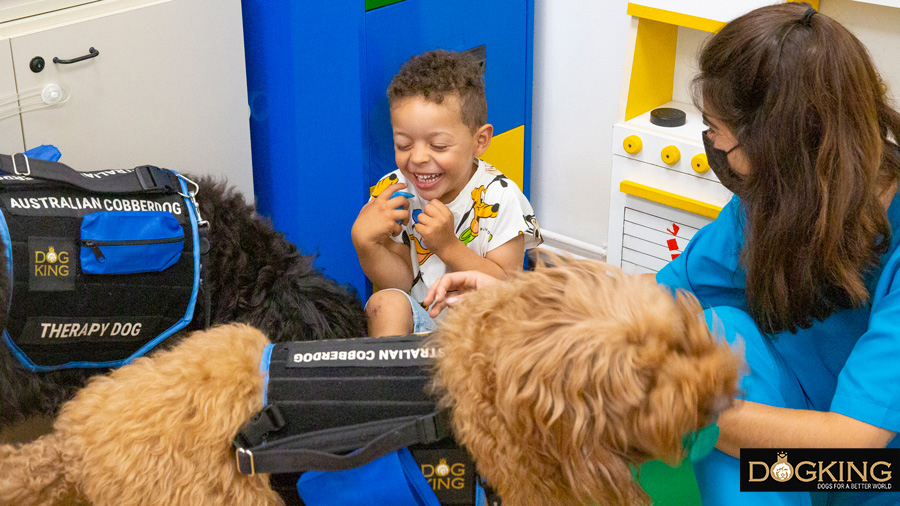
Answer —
563 380
558 381
154 432
257 277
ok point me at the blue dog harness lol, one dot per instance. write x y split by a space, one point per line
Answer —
103 266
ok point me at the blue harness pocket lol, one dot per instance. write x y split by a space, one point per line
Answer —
391 480
128 242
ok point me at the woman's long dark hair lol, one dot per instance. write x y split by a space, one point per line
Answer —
812 117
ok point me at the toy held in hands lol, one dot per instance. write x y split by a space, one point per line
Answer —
415 213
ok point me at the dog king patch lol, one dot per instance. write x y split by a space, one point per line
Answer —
383 352
52 264
450 472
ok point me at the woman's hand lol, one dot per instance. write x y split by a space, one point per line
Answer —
450 288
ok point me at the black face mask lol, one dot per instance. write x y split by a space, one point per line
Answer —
718 162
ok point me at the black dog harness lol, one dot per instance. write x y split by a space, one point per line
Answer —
335 405
103 265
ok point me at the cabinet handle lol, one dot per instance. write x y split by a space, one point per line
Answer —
91 54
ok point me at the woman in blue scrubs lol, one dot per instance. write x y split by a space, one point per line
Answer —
802 264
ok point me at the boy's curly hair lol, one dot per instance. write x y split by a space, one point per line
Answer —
438 73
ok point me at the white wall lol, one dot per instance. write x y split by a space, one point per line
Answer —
579 48
878 27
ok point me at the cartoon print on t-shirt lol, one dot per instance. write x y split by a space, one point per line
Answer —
386 181
480 210
533 228
422 253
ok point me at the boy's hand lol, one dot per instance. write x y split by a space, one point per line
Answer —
436 227
380 218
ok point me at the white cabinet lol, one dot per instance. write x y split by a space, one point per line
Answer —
10 126
17 9
168 87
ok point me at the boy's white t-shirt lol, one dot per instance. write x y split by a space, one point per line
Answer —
487 213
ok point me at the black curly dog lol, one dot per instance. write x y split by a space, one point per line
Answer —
258 278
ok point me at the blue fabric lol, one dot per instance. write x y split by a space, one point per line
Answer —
101 231
394 479
422 321
846 363
7 241
264 370
769 382
44 152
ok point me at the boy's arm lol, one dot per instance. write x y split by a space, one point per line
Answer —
385 262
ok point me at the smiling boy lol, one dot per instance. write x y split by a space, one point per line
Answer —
466 215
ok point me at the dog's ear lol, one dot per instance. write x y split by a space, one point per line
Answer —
697 379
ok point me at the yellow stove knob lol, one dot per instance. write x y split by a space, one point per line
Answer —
633 144
699 163
670 155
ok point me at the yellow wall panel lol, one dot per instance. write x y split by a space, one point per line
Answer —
653 68
507 153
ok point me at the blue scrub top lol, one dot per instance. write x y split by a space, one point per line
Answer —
848 363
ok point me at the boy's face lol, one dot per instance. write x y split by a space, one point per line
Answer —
433 149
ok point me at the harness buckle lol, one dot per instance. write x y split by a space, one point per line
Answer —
192 195
258 428
27 165
237 456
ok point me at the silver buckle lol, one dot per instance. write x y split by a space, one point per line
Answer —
27 166
237 458
192 195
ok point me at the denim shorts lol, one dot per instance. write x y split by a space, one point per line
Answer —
422 322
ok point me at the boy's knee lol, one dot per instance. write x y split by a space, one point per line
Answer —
389 313
387 302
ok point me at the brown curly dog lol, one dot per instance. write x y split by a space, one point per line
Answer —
564 379
559 381
157 431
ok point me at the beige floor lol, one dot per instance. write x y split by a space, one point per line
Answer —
28 430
